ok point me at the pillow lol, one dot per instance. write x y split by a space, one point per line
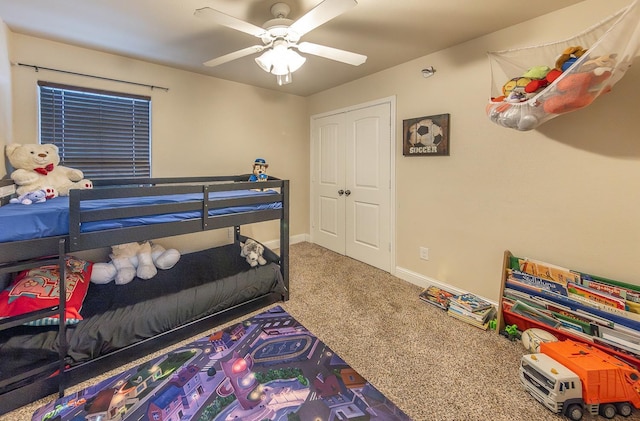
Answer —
37 288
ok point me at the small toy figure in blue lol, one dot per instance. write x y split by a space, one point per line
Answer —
259 170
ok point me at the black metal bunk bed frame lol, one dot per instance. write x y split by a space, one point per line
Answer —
20 255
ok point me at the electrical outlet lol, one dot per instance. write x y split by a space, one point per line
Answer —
424 253
230 232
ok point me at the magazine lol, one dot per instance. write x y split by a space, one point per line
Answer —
470 302
436 296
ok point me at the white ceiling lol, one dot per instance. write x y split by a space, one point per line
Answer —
389 32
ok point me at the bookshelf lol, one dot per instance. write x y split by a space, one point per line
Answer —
605 323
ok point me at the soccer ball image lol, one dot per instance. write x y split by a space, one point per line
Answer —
424 132
428 135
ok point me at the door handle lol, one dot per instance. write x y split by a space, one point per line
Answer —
348 192
341 192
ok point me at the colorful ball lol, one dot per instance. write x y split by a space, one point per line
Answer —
517 84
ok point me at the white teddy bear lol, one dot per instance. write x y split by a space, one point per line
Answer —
134 259
36 167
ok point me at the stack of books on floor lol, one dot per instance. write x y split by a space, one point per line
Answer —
471 309
436 296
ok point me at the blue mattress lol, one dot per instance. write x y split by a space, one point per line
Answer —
40 220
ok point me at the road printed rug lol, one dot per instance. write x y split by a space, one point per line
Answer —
268 367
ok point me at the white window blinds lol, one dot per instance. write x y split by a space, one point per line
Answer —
104 134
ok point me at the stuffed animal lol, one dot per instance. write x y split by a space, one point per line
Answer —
574 91
36 166
568 57
134 259
514 87
252 251
538 75
37 196
259 170
599 65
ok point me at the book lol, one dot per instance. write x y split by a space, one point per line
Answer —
470 302
472 321
628 340
534 314
622 317
615 345
609 289
513 296
481 315
628 291
548 271
436 296
591 308
596 295
549 285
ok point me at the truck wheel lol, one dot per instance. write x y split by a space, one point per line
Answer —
574 412
624 409
608 410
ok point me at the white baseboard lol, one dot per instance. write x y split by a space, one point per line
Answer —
275 244
425 281
402 273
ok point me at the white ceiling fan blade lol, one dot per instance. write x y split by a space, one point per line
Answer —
229 21
235 55
320 14
343 56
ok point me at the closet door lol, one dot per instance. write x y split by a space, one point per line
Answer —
351 187
328 223
367 178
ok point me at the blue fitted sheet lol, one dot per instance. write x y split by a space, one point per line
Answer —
40 220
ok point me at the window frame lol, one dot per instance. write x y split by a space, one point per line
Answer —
130 157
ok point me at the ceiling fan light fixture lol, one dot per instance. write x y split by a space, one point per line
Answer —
294 60
280 69
280 37
265 61
284 79
280 61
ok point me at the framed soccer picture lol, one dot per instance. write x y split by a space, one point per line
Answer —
426 136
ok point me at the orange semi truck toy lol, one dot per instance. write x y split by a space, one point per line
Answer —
570 378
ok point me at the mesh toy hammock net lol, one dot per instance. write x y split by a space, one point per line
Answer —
532 85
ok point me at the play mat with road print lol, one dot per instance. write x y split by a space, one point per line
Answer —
268 367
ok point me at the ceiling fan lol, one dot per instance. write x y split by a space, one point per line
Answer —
280 37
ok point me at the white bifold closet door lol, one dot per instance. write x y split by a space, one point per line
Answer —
351 183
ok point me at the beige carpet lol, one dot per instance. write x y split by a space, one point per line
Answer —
432 366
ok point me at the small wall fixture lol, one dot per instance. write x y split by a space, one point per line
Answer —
428 72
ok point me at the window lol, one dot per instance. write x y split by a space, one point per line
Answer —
104 134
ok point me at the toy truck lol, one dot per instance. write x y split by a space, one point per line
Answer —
570 378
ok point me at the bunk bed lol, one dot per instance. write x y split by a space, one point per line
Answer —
124 322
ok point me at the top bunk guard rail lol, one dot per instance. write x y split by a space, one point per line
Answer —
201 203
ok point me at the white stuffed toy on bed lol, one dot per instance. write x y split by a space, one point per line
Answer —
36 168
134 259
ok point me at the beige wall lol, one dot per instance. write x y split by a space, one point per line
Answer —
5 92
201 126
565 193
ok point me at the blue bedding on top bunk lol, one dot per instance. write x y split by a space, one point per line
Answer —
26 222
